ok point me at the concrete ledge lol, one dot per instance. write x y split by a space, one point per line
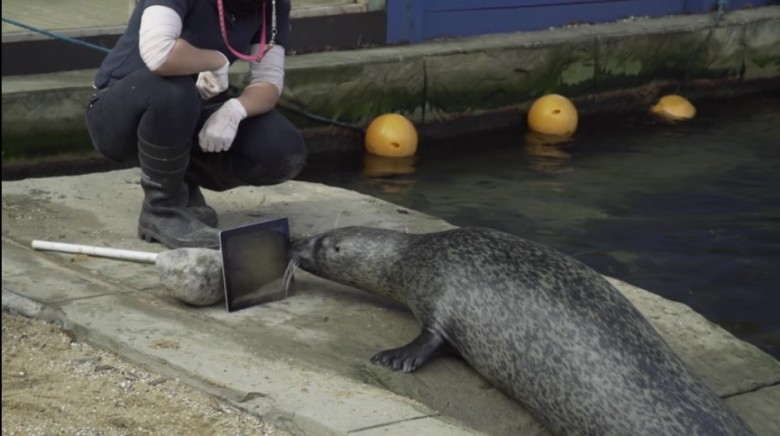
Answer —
488 80
325 10
304 10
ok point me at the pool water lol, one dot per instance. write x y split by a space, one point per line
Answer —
688 211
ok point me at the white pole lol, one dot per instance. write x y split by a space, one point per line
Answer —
113 253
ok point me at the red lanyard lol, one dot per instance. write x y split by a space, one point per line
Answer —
260 53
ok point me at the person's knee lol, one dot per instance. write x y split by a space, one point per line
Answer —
173 110
279 161
176 97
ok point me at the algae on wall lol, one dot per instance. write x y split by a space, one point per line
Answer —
674 57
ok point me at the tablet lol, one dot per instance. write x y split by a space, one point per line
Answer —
254 260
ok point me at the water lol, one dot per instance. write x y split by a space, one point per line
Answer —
690 211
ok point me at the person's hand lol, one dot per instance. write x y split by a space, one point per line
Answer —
221 127
211 83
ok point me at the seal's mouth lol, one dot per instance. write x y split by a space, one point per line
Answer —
301 253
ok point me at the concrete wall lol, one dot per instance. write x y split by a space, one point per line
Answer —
604 67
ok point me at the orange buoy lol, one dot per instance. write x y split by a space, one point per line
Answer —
674 108
391 135
553 114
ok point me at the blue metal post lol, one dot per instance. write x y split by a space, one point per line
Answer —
698 6
405 20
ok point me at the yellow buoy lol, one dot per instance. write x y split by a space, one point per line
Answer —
391 135
553 114
674 108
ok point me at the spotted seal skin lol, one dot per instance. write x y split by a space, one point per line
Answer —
539 325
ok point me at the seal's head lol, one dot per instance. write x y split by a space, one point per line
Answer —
355 256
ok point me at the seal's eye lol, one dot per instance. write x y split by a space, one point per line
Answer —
337 249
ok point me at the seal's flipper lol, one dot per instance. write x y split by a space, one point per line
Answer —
414 354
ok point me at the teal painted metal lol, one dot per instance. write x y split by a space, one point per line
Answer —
417 20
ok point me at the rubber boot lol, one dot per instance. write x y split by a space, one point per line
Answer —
164 214
197 206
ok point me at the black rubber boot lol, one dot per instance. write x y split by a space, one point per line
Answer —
164 214
197 206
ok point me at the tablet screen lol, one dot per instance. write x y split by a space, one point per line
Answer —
254 260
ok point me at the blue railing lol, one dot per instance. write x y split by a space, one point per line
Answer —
419 20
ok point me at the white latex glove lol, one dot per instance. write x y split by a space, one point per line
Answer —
211 83
219 130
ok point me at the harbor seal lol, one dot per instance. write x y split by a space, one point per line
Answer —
541 326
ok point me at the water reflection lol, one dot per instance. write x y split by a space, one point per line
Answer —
547 153
386 173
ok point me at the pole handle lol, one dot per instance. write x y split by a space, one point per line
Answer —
91 250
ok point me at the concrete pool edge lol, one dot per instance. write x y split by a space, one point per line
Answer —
461 86
273 359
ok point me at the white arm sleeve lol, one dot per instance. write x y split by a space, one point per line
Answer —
160 26
270 69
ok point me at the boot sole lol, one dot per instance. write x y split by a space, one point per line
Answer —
150 236
146 235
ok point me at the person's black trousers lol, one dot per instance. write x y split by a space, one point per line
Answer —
169 112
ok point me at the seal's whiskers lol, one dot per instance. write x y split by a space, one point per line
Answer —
338 216
289 273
